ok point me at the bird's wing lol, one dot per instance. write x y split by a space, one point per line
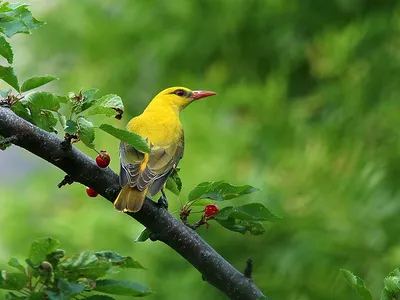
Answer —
141 169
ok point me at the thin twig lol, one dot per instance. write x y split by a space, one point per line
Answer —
248 271
9 140
67 180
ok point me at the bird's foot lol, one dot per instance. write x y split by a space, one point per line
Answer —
163 202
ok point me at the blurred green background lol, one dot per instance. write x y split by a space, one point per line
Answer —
308 110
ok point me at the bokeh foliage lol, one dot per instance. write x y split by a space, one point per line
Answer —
308 110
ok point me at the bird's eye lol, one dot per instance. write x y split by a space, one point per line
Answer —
180 93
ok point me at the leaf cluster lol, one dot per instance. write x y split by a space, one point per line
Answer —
48 274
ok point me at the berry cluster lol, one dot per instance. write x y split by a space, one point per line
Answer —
102 160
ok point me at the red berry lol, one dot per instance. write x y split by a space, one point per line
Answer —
211 209
91 192
103 159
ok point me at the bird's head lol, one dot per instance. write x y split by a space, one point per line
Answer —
180 97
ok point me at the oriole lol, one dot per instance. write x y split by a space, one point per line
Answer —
160 125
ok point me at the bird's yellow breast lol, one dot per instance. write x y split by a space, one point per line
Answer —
162 128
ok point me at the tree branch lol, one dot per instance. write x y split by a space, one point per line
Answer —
214 268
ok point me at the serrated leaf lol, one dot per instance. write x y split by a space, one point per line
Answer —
99 297
21 110
16 18
85 131
131 138
357 284
6 50
40 248
42 101
247 212
69 289
7 74
37 81
125 262
220 191
245 218
12 296
86 264
70 127
13 281
143 236
13 262
88 99
44 119
253 227
174 183
122 288
109 105
392 284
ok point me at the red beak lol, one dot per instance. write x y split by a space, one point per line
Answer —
202 94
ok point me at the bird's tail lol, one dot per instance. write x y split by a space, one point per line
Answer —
130 199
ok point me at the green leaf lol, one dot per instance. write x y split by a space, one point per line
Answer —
12 281
15 18
245 218
109 105
70 127
131 138
392 284
85 131
7 74
6 50
357 284
36 296
37 81
40 248
220 190
5 146
88 98
21 110
42 101
116 259
86 264
44 119
99 297
4 94
174 183
69 289
123 288
254 227
13 262
143 236
12 296
251 212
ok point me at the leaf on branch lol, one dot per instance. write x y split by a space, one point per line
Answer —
12 281
70 126
13 262
21 110
37 81
16 18
124 262
6 50
88 98
357 284
85 131
42 101
123 288
69 289
109 105
86 264
7 74
143 236
248 217
174 183
4 146
131 138
40 248
220 191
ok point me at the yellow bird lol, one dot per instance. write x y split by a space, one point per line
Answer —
159 124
